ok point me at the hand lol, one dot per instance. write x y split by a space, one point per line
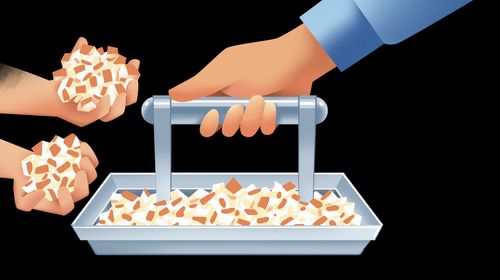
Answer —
104 111
286 66
27 94
11 168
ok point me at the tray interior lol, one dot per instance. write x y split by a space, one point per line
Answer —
189 182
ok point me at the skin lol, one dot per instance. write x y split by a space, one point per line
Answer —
285 66
10 168
23 93
27 94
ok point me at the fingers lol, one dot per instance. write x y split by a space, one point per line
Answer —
102 109
86 165
217 75
210 123
132 92
133 86
135 62
258 114
81 186
117 109
89 153
250 122
27 201
79 43
66 203
198 86
232 120
84 118
268 121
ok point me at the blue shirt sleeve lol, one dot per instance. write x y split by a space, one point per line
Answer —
351 29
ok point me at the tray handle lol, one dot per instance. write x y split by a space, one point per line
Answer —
305 111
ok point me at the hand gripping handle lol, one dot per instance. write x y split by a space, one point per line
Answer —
305 111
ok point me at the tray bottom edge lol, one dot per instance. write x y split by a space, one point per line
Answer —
228 247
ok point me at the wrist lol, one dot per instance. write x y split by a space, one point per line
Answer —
342 30
44 99
311 55
54 105
30 95
12 155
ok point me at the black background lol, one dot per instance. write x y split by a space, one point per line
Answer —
401 121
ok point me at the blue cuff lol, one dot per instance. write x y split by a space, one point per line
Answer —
342 30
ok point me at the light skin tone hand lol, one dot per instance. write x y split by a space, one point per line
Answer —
10 167
27 94
285 66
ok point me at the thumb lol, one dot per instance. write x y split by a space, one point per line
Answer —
213 78
79 43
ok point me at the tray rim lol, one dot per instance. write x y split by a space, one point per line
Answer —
92 232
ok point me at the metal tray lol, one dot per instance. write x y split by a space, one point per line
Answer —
177 240
306 112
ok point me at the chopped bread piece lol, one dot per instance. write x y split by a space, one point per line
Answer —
52 165
230 205
89 74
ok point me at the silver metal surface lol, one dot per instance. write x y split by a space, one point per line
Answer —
307 142
303 110
192 112
163 146
212 247
243 240
109 240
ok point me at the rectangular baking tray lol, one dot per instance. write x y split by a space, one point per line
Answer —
224 240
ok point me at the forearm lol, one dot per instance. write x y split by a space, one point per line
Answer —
10 159
24 93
